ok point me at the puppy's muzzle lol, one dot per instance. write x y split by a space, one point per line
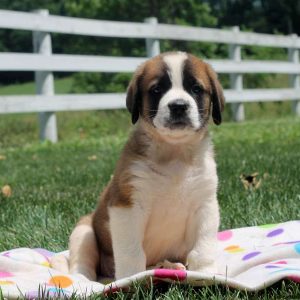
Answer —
178 114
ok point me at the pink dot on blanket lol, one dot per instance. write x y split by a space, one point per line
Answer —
281 262
224 235
251 255
5 274
275 232
6 254
294 278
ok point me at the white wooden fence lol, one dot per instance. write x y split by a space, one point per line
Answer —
43 63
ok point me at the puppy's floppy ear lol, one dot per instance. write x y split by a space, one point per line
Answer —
134 95
217 96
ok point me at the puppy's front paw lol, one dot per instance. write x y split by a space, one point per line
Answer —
200 263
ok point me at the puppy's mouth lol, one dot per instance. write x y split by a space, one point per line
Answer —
178 123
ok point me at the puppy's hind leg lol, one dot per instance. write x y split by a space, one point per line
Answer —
84 254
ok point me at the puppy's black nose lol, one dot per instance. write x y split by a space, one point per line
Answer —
178 107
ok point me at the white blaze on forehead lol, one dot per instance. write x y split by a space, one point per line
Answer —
175 63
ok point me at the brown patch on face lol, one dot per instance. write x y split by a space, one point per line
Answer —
154 70
212 91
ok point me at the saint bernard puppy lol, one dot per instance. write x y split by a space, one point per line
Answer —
160 207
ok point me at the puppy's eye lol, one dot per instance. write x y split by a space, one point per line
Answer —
196 88
156 89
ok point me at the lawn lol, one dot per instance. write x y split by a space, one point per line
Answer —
53 185
61 86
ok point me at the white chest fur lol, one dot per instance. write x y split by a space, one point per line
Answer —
169 195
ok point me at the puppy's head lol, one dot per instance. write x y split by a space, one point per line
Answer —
175 93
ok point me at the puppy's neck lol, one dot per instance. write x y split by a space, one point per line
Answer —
163 149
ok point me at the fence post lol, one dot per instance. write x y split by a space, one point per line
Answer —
236 80
294 79
44 82
152 45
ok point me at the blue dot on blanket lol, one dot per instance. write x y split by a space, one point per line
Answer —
297 247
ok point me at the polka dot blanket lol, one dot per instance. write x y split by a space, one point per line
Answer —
250 258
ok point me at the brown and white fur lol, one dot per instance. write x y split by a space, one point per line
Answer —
161 204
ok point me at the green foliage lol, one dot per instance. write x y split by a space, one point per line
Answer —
21 41
100 82
262 53
188 12
267 16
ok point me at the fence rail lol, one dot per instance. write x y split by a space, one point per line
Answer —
93 63
43 62
73 102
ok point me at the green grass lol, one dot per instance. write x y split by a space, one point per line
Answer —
19 130
53 185
61 86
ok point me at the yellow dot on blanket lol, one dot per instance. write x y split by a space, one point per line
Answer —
6 282
60 281
45 264
234 249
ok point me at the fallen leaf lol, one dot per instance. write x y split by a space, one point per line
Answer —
92 157
82 134
251 181
6 190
